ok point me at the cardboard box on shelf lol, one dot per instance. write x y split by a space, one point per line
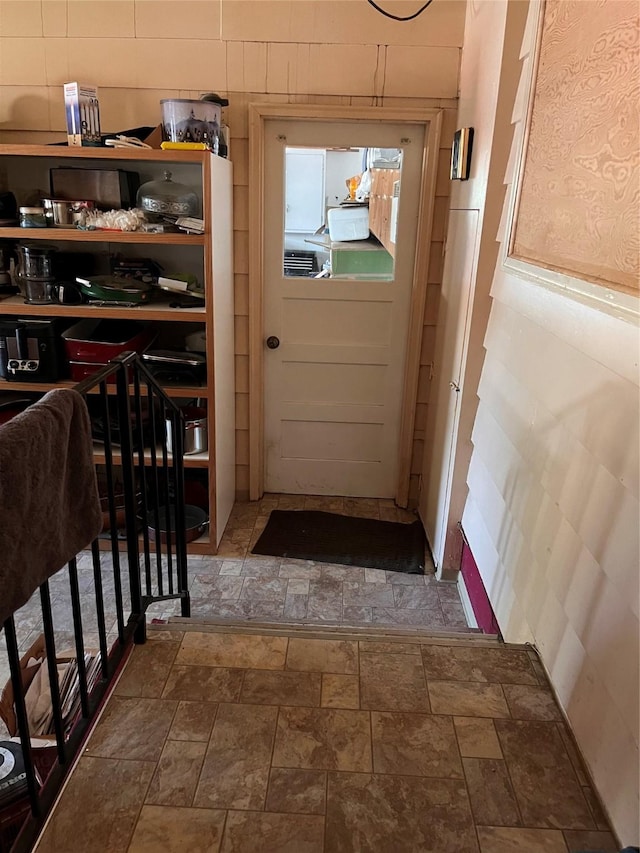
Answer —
83 114
154 139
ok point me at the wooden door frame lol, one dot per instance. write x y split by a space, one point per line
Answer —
259 114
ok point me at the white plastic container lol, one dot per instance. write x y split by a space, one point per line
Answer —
348 223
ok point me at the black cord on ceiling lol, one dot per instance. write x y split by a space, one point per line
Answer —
398 17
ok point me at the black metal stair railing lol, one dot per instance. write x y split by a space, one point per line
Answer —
141 471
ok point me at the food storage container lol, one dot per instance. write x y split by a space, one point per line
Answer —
32 217
35 274
186 120
99 341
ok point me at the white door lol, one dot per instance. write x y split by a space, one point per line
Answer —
440 508
304 200
334 384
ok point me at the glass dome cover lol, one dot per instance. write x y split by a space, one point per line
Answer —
166 198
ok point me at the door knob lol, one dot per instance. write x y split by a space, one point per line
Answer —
273 342
454 386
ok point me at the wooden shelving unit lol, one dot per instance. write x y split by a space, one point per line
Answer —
25 168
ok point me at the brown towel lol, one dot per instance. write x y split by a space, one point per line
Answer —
49 503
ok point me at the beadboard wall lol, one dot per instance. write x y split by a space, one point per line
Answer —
553 505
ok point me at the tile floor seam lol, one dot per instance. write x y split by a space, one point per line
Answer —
197 785
475 825
273 746
223 832
142 803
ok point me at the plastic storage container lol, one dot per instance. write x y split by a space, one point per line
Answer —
32 217
348 223
187 120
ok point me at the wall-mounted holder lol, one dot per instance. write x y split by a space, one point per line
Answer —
461 154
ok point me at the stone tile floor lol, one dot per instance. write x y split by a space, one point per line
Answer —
236 584
239 585
289 742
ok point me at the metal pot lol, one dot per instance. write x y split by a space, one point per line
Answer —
64 214
195 431
196 521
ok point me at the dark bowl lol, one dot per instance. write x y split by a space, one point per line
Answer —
195 523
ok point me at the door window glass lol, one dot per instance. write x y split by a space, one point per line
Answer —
340 217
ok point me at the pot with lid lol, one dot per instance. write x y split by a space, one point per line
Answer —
195 430
61 213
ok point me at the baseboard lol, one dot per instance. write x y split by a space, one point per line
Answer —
466 602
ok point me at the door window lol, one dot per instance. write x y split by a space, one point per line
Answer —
341 212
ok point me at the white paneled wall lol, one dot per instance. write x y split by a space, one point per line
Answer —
552 515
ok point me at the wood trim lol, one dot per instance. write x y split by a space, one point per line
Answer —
220 334
212 413
616 300
537 9
258 115
418 300
324 112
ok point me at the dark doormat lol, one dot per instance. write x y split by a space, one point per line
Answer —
330 538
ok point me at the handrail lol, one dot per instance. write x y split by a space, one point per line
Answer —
125 359
148 494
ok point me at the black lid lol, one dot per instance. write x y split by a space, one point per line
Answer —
215 99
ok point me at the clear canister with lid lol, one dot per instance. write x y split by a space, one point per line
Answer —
35 260
32 217
167 199
35 272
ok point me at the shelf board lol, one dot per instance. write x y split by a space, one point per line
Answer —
75 235
202 545
179 391
193 460
104 153
147 311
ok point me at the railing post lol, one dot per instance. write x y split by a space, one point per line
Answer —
129 485
181 545
21 714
